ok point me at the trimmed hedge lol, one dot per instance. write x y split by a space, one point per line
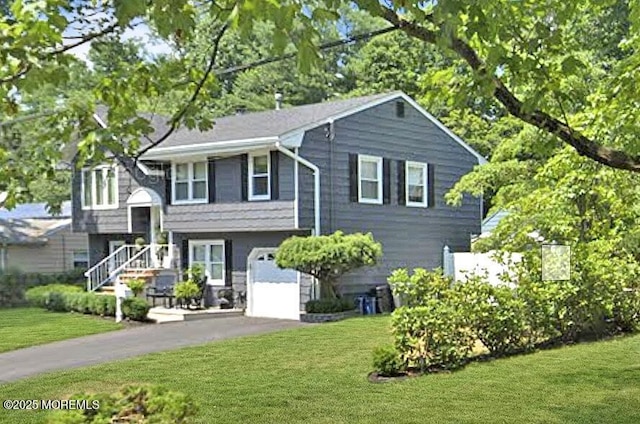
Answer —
328 306
13 284
65 298
37 296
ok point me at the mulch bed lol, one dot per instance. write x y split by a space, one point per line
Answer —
374 377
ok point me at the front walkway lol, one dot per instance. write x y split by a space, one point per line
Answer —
107 347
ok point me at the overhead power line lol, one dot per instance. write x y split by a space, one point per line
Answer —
324 46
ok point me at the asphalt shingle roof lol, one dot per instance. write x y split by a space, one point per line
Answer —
270 123
34 210
29 230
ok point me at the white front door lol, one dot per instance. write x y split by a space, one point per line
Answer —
272 292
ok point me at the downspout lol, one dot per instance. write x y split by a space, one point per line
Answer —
296 187
316 183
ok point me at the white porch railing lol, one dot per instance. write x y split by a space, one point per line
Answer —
151 256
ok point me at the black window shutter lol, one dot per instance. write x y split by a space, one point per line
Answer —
386 181
431 186
275 185
401 183
244 171
167 186
353 177
184 255
211 171
228 263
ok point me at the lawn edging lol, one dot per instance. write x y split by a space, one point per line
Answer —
327 317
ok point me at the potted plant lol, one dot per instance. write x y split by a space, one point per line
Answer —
225 296
185 292
162 239
139 242
136 285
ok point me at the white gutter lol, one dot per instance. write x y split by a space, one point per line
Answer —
316 183
231 146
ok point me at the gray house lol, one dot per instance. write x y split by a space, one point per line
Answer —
227 197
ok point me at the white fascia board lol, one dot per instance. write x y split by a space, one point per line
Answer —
214 148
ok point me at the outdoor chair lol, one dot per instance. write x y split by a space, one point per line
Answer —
162 289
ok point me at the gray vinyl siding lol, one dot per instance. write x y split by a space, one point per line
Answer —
411 237
99 244
238 216
227 213
242 243
111 220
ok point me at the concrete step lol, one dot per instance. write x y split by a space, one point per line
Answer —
162 315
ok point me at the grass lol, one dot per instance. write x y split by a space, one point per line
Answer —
24 327
317 374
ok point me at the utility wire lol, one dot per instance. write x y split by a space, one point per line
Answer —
324 46
239 68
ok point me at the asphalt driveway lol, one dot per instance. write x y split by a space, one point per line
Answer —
106 347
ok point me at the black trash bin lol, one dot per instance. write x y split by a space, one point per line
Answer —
385 299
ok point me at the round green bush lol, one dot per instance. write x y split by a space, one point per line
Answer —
387 361
135 308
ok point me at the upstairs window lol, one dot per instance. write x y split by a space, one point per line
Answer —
100 187
416 184
259 179
369 179
190 182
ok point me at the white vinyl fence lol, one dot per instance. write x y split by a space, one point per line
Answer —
460 265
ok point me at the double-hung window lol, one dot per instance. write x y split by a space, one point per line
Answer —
100 187
416 184
80 259
190 182
369 179
259 176
210 255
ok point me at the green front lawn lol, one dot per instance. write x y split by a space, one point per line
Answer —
317 374
23 327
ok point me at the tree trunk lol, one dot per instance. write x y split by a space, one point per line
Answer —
327 290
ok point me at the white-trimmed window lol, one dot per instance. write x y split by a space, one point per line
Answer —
210 254
259 176
190 182
80 259
369 179
100 187
416 184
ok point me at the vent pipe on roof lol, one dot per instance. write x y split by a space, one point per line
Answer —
278 97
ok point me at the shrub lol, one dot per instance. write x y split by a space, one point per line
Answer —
496 315
186 290
434 335
328 306
327 258
135 308
13 284
419 287
56 302
387 361
37 296
136 285
105 305
133 404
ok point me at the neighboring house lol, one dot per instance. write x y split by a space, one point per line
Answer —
33 240
228 197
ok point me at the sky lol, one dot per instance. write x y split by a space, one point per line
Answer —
141 32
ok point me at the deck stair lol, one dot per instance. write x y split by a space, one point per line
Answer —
128 262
